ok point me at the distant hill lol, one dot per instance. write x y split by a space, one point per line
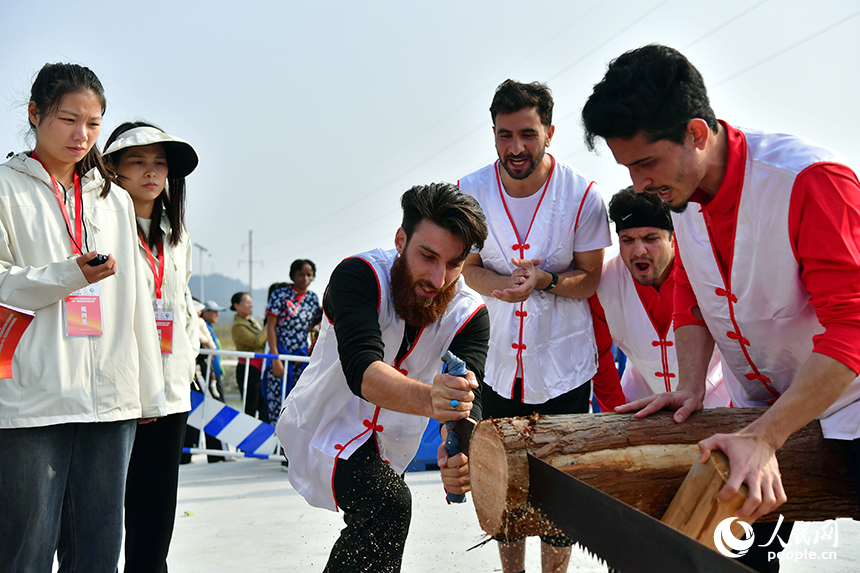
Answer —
220 288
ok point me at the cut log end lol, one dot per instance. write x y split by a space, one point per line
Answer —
500 481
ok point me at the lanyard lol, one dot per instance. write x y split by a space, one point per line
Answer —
79 208
157 273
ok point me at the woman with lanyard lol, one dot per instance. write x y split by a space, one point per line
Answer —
249 336
151 166
291 312
87 367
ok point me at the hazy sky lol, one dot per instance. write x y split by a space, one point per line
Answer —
311 118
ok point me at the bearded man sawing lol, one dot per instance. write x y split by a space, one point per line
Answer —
356 417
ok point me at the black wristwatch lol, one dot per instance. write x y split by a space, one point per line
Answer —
552 284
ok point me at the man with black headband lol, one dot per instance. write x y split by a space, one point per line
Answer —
633 307
355 419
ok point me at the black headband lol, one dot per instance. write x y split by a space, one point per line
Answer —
644 219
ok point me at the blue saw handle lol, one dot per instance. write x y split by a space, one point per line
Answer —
456 367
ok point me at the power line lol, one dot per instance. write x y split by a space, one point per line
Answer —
786 49
635 21
577 20
723 25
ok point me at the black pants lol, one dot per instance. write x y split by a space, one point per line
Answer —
150 494
377 507
254 403
572 402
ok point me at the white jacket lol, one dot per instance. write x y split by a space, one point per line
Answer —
179 366
59 379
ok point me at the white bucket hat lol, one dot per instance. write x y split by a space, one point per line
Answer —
181 157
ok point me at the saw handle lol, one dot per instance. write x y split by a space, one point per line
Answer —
455 367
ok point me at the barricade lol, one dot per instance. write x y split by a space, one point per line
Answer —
248 434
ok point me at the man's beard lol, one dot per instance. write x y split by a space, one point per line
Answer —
536 161
413 308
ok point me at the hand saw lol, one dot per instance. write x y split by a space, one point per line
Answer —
622 536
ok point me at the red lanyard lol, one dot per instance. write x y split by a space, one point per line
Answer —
158 273
79 208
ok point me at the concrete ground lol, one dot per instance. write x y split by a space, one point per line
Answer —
243 517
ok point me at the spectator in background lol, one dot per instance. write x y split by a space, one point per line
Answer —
292 310
210 317
151 166
249 336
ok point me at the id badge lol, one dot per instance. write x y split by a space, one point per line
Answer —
164 325
83 310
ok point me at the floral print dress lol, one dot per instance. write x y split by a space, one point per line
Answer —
295 313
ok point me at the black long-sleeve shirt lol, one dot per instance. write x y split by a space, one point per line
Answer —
350 303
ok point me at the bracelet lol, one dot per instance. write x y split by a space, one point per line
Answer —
552 283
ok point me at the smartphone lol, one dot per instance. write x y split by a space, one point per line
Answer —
99 260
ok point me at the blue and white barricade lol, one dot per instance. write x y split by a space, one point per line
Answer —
248 434
248 355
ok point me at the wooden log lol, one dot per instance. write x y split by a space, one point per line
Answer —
695 510
642 462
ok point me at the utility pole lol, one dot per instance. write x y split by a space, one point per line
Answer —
250 262
202 276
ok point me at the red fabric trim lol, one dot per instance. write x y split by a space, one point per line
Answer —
397 363
523 243
471 316
581 203
731 300
522 246
371 426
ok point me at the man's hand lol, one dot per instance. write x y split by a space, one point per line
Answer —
142 421
751 461
447 388
95 274
524 280
455 471
684 402
277 368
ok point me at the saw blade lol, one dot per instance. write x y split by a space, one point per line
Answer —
622 536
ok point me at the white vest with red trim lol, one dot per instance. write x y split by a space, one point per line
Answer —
652 365
323 420
552 337
762 320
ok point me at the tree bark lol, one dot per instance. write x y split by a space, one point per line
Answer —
641 462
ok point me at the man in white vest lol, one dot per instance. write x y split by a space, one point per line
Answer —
633 307
540 263
768 231
356 417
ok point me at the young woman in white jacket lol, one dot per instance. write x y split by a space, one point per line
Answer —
88 366
151 166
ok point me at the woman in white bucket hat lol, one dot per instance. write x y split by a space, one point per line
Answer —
151 166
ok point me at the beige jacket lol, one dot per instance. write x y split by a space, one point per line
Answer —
57 378
248 334
178 366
